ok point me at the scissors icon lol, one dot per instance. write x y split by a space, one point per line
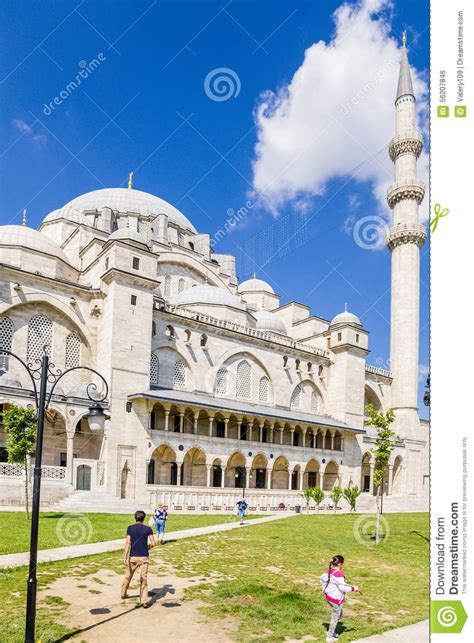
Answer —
438 214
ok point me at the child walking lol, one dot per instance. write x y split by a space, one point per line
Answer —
335 589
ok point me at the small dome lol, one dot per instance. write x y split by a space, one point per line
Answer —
68 213
80 391
255 285
124 200
206 294
345 318
127 234
20 235
7 379
270 322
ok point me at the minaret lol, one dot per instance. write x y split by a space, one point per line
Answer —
404 241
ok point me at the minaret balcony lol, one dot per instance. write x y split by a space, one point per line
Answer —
406 143
406 189
406 233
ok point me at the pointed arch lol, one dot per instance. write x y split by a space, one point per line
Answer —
264 389
73 350
6 340
40 337
154 369
244 380
222 381
179 374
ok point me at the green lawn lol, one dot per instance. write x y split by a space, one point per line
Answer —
269 579
59 529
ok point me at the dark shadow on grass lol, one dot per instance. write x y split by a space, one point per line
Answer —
420 535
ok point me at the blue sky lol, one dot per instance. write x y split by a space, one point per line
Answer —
145 108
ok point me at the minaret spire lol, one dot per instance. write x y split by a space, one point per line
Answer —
405 238
130 180
23 222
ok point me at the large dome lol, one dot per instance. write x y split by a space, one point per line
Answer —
255 285
20 235
270 322
206 294
123 200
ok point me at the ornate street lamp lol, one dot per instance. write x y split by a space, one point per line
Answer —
45 373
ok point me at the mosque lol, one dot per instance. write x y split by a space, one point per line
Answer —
215 388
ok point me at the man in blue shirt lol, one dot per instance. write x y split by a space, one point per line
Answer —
139 541
242 507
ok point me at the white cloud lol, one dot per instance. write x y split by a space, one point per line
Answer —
335 114
39 139
423 372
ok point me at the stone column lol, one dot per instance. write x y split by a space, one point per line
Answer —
196 418
321 479
271 434
250 436
324 438
239 424
303 432
260 429
281 435
208 480
332 440
301 479
269 478
211 420
179 481
223 476
342 443
70 458
181 422
290 475
248 471
226 423
292 433
390 479
167 419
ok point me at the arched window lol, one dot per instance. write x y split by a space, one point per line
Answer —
154 369
203 340
167 292
187 333
263 389
285 361
179 375
222 381
6 339
181 285
296 398
314 401
298 364
40 335
244 380
73 350
169 331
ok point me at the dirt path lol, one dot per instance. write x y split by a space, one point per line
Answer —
98 613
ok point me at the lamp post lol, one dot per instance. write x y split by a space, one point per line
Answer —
243 478
45 373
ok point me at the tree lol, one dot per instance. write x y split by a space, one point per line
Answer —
318 497
351 494
20 423
307 495
384 445
336 495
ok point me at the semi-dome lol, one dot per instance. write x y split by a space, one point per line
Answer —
7 379
20 235
346 318
127 234
124 200
68 213
205 295
255 285
270 322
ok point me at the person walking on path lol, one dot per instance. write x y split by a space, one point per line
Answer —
335 588
139 541
161 516
242 507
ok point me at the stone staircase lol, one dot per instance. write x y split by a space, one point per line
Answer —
89 502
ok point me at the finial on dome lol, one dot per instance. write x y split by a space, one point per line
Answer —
404 38
345 307
254 275
24 217
130 180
